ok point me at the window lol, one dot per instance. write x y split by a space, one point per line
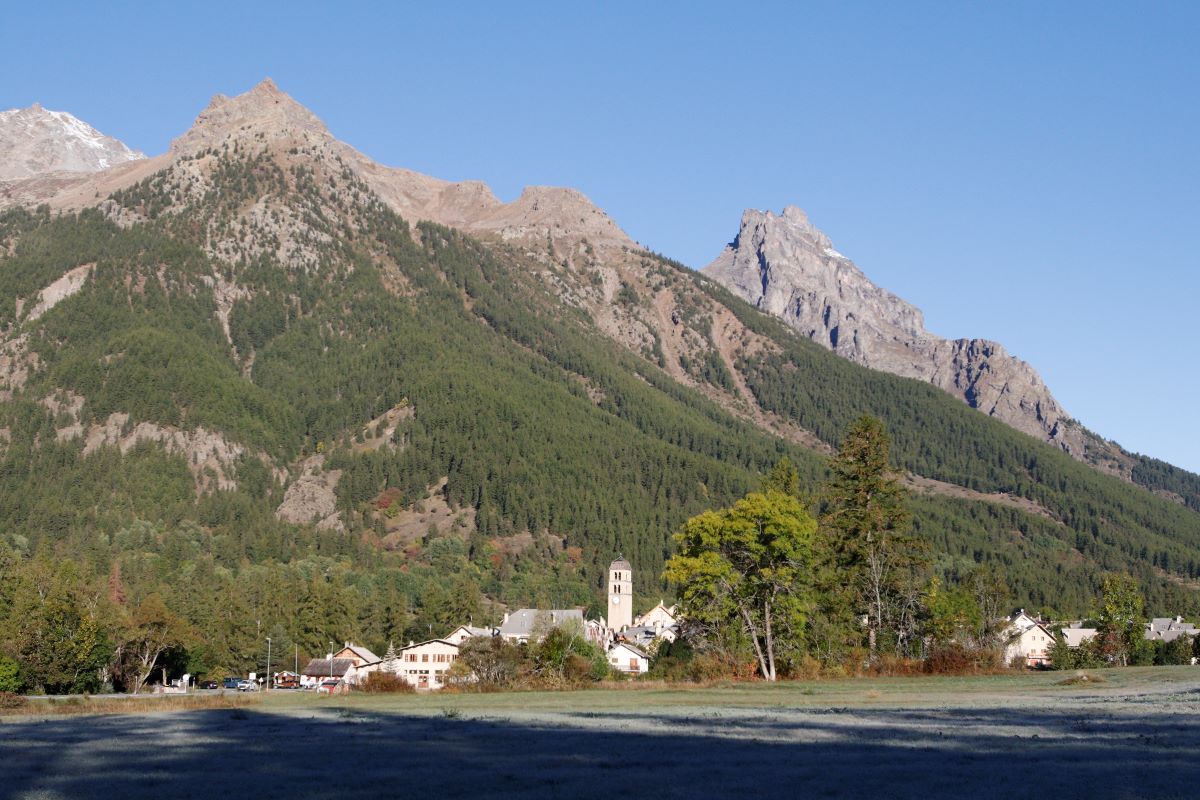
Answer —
424 658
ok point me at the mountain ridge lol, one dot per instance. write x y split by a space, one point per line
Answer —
574 230
36 141
269 306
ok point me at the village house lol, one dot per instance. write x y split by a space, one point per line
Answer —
1076 636
1028 641
356 653
530 624
644 635
425 665
659 617
464 632
629 658
320 669
1168 629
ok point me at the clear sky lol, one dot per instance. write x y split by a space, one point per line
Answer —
1023 171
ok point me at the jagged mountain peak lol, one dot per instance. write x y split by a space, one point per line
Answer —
787 267
264 113
36 141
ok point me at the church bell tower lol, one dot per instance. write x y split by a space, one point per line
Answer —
620 594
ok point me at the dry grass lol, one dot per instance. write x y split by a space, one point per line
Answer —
1082 679
83 704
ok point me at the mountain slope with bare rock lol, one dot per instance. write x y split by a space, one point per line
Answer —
282 351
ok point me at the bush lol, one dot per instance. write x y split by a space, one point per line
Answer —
954 659
487 663
10 676
12 702
381 682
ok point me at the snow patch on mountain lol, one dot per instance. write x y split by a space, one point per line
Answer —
36 141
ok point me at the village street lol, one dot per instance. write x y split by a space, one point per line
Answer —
1133 736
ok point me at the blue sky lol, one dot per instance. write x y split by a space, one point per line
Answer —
1026 172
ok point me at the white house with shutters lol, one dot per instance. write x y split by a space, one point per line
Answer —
629 658
1028 641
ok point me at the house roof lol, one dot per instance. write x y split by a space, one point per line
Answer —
633 648
360 651
471 630
663 607
1077 636
620 563
427 641
520 623
321 667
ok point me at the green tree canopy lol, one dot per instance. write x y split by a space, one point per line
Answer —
749 567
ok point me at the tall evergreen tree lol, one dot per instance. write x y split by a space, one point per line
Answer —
868 526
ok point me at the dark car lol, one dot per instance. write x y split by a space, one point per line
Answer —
232 683
209 685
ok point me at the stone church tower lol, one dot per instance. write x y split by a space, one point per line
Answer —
620 594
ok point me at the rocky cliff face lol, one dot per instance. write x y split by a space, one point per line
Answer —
267 118
785 266
35 142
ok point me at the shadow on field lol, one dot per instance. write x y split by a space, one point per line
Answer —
699 753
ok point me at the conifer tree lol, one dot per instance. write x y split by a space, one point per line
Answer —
867 524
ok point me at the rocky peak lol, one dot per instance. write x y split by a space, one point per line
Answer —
787 267
35 141
552 212
263 114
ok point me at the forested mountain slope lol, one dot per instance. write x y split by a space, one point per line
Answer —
253 333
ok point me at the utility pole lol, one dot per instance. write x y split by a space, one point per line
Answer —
268 663
330 659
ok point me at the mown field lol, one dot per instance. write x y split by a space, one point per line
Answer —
1132 734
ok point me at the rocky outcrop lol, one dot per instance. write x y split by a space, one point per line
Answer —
312 498
265 117
70 283
787 267
35 141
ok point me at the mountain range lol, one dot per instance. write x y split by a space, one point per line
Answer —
272 350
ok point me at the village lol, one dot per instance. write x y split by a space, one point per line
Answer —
630 643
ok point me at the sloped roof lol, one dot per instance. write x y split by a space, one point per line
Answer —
362 652
1077 636
428 641
472 630
620 563
633 648
321 667
520 623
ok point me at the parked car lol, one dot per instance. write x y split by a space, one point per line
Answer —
247 686
209 685
286 683
329 686
232 683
